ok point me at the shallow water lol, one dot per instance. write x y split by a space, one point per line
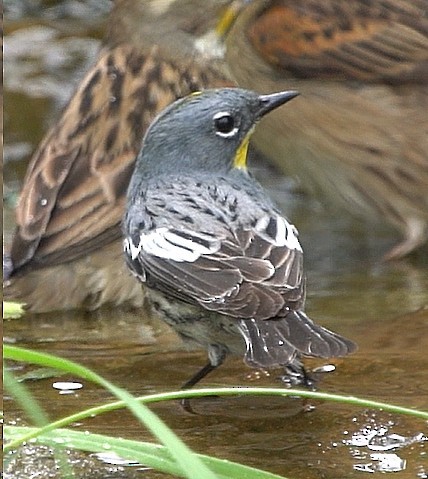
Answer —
380 306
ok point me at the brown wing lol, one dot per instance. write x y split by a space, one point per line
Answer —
356 39
244 275
74 191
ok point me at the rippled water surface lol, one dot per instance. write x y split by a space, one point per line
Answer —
380 306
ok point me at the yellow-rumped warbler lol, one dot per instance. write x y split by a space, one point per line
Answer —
219 262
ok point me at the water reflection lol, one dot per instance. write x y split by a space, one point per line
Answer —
387 445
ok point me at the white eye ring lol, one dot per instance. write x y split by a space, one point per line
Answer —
227 133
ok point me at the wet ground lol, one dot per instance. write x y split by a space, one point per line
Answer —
380 306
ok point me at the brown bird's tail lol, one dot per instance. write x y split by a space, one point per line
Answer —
277 342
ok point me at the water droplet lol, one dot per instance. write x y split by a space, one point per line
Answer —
114 459
67 387
43 202
325 368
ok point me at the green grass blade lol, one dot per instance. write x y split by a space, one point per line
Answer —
50 361
251 391
148 454
190 463
21 395
175 395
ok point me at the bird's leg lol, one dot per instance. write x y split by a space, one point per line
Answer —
216 356
198 376
185 402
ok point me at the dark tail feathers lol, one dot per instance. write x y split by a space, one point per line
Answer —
276 342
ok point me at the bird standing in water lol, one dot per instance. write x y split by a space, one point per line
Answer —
220 264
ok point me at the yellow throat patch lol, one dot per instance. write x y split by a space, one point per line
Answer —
240 160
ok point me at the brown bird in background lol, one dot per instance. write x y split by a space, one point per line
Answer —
67 250
359 134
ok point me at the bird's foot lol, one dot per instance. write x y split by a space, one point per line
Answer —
296 375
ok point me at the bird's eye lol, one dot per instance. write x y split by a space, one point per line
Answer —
224 124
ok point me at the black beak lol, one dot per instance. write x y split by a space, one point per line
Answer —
274 100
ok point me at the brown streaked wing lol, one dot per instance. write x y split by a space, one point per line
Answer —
74 191
371 41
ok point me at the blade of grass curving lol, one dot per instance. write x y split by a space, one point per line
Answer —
248 391
191 464
235 391
22 396
147 454
33 410
175 395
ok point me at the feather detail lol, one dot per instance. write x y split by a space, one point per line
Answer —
74 192
370 41
278 341
252 269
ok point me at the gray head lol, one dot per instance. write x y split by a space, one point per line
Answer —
206 131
